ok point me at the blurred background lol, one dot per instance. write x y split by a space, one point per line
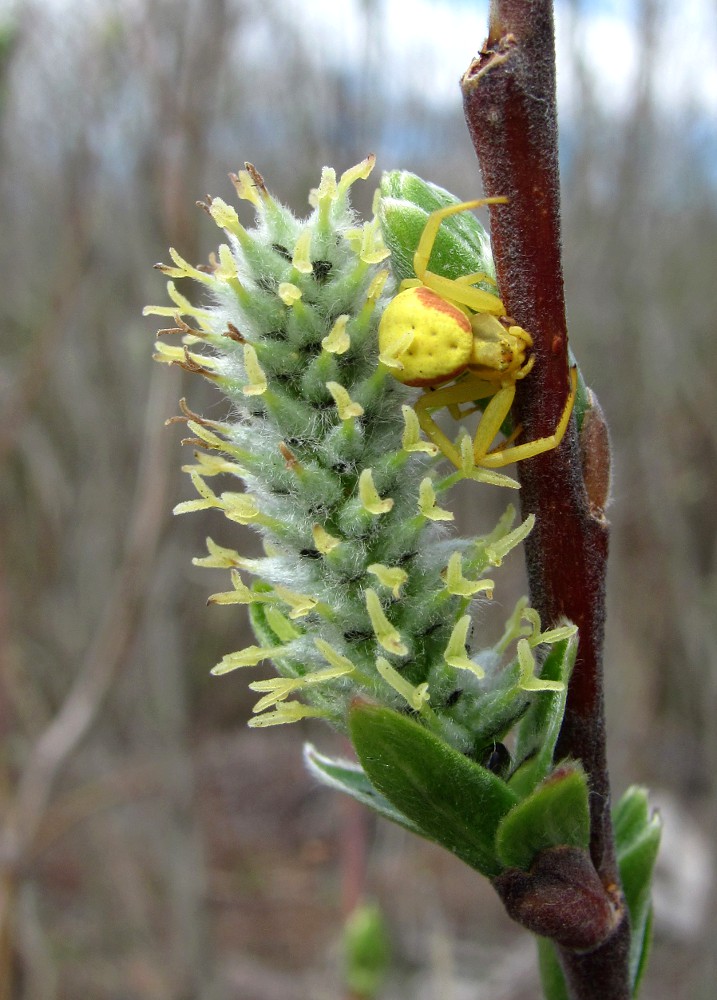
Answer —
151 847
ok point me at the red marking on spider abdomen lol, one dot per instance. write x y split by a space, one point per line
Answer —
432 300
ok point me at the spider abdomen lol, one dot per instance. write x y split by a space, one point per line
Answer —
438 337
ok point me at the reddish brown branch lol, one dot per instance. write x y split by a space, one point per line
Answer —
509 100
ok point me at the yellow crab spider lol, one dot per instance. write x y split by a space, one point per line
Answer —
454 340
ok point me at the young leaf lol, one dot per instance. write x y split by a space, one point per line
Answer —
452 800
461 246
348 777
637 841
555 814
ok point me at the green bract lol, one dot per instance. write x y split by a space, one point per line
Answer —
462 245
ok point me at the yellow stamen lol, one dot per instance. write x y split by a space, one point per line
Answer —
300 604
471 471
427 503
288 293
360 172
513 627
242 508
213 465
555 634
344 404
208 500
258 385
528 681
457 584
279 625
387 636
369 497
240 595
338 340
221 558
226 217
227 268
536 637
392 576
376 286
327 190
415 696
412 434
279 688
292 711
393 351
323 541
455 653
248 657
302 259
183 269
246 188
367 242
171 354
331 656
182 307
497 551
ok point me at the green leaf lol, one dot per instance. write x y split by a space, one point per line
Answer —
452 800
637 968
637 841
540 727
555 814
348 777
551 974
461 246
631 815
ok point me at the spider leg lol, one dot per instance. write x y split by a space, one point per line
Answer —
467 390
490 423
473 279
428 236
463 294
514 434
519 452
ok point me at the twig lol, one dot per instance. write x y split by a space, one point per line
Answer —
509 100
97 672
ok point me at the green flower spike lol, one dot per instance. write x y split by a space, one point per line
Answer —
364 600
